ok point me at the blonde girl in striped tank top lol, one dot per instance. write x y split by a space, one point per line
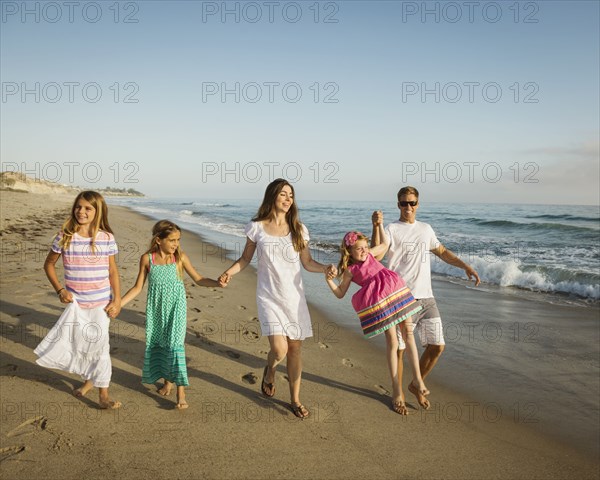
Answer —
78 342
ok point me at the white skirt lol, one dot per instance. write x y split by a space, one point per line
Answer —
78 343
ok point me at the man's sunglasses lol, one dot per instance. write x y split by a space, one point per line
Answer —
406 204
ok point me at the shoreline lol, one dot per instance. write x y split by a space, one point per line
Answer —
344 383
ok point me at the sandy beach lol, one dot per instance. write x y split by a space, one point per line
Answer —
230 429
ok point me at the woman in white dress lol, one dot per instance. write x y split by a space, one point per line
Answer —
281 243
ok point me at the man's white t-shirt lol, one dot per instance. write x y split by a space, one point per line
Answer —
409 254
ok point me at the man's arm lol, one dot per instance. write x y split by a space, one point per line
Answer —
451 259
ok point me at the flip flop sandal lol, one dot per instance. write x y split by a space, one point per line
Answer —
298 409
270 386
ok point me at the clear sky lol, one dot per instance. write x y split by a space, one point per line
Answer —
467 101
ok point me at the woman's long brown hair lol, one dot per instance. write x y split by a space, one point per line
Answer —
266 211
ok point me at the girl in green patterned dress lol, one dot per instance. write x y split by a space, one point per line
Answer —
163 264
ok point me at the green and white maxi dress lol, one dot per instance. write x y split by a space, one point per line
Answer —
166 310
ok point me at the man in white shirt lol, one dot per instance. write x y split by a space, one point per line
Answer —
410 245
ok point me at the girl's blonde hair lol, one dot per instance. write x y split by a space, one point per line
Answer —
266 211
346 259
100 222
161 230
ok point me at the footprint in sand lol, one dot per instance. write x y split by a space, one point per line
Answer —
250 378
323 345
7 452
202 337
29 427
347 362
250 335
381 390
254 319
241 307
196 309
209 328
263 352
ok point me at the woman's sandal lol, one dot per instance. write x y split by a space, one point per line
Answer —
299 410
270 386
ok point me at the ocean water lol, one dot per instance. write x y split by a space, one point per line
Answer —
549 250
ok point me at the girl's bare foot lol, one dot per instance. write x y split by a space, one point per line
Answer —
420 395
399 406
81 391
109 404
181 403
165 390
105 401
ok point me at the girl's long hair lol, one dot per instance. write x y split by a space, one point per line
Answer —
266 211
345 258
161 230
100 222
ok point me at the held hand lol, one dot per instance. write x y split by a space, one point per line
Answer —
65 296
377 217
472 274
113 309
224 279
331 272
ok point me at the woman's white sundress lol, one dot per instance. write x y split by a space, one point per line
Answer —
282 308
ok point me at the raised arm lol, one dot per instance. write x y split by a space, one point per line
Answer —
450 258
378 236
381 248
195 276
339 290
239 264
376 220
139 283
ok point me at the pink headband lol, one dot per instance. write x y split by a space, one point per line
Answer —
351 237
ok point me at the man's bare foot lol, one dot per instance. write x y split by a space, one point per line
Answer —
181 404
420 394
399 406
109 404
81 391
165 390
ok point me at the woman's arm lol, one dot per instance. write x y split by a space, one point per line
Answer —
195 276
49 267
311 265
340 290
139 283
239 264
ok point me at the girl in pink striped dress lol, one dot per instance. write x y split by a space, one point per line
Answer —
384 303
78 342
